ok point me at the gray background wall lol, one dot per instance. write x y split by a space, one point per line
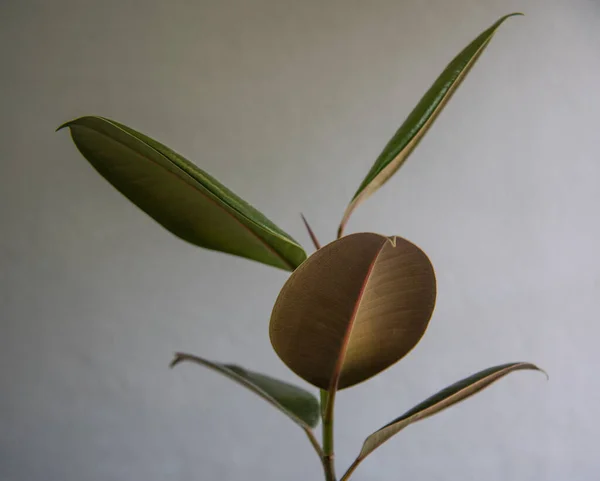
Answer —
288 103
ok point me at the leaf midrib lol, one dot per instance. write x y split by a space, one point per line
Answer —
193 171
405 420
201 188
223 369
346 340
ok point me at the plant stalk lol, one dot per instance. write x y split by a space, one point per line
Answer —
351 469
328 451
311 233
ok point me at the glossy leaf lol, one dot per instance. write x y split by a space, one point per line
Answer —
299 405
447 397
354 308
420 119
178 195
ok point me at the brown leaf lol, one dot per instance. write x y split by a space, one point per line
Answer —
355 307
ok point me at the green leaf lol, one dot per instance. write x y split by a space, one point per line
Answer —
181 197
299 405
420 119
447 397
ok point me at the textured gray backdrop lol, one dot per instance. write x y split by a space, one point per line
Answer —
288 103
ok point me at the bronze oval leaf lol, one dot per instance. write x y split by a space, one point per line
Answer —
353 308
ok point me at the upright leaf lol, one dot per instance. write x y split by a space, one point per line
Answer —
355 307
178 195
311 233
420 119
447 397
299 405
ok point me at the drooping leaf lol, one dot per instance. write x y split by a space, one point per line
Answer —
352 309
299 405
447 397
180 196
420 119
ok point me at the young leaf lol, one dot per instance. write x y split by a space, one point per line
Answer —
180 196
311 233
420 119
352 309
447 397
299 405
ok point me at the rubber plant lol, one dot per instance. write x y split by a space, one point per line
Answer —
347 312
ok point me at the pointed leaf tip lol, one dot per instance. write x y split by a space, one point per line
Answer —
442 400
311 233
180 196
299 405
177 358
418 122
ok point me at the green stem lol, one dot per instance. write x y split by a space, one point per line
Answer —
328 452
327 403
314 442
317 447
